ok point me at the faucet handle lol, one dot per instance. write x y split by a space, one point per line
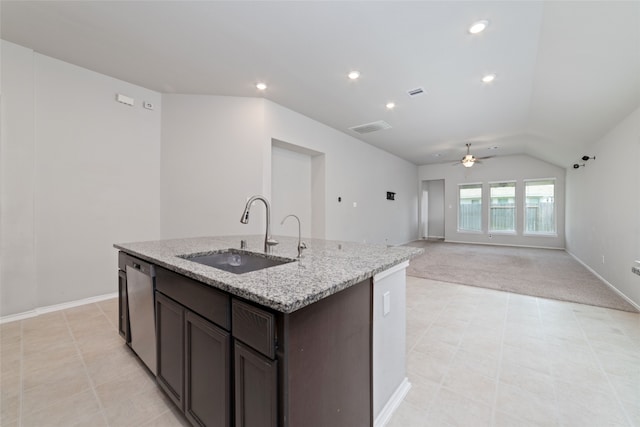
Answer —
269 244
271 241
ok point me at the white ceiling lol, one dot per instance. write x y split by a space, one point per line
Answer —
567 71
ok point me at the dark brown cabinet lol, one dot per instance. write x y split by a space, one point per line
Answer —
207 369
225 361
256 370
256 387
170 345
194 355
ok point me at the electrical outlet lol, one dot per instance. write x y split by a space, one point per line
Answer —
603 259
386 303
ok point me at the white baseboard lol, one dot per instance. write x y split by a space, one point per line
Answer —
406 243
392 404
57 307
504 244
616 290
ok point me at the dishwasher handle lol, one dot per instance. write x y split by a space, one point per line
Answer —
143 267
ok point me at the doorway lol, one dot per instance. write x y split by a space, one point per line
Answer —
432 209
297 187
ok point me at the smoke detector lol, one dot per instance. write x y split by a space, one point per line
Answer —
371 127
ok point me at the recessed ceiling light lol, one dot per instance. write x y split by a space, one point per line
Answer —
261 86
488 78
354 75
390 105
478 27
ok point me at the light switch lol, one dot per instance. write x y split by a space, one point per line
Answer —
386 303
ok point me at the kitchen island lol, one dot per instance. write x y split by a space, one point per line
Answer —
304 343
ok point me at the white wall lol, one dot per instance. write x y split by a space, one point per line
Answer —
356 172
291 191
212 162
603 207
435 217
507 168
389 336
92 178
18 287
217 152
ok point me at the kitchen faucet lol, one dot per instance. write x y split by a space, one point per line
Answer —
269 242
301 245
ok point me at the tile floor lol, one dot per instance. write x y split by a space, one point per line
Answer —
476 357
71 368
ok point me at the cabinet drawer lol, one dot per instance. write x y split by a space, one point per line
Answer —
210 303
254 326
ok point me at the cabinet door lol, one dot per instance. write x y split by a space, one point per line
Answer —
256 388
170 330
123 307
207 383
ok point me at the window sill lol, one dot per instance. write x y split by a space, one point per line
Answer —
540 234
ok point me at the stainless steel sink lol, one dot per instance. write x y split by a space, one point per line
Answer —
236 261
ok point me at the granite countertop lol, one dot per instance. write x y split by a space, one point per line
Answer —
325 268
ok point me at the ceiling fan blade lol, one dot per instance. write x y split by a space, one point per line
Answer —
485 157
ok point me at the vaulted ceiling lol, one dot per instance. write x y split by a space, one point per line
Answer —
566 71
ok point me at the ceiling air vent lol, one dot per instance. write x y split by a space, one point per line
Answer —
371 127
416 92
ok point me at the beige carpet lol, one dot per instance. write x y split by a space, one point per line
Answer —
546 273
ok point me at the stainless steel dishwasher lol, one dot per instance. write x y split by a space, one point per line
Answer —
142 320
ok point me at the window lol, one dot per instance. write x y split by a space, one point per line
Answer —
470 207
539 215
502 207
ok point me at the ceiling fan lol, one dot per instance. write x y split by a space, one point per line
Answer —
469 160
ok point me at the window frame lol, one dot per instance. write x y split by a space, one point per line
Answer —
514 184
553 233
463 230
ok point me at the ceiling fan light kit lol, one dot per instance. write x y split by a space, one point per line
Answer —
469 159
